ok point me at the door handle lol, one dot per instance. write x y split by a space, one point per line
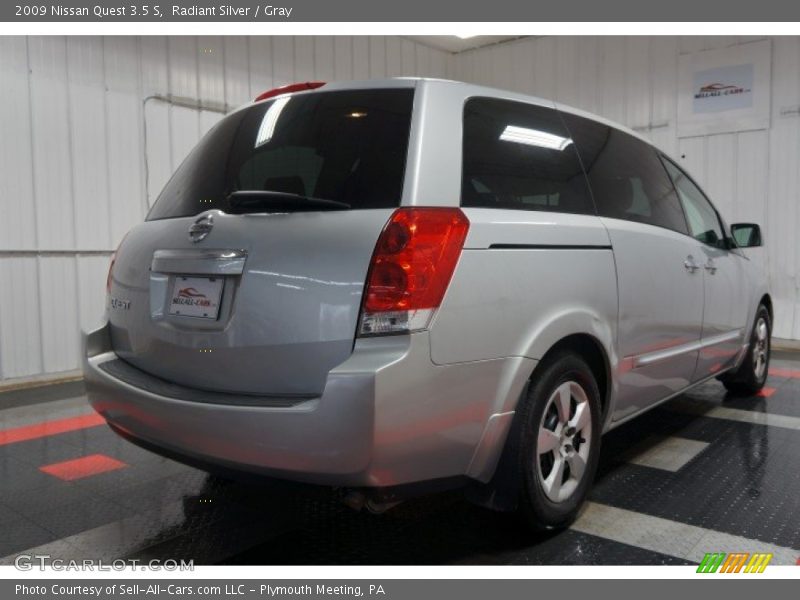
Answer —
690 265
710 267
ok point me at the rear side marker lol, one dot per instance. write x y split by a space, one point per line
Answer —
40 430
85 466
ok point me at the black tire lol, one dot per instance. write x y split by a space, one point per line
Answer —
751 375
536 505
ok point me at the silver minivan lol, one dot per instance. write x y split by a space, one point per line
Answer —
406 285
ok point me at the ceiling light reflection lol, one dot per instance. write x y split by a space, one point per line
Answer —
534 137
270 120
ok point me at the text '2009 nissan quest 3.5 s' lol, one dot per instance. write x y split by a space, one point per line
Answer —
403 285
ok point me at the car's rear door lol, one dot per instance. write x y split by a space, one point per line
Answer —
659 268
726 296
247 276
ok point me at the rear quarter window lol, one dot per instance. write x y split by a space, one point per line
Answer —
627 177
519 156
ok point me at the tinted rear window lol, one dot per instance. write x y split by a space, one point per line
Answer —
347 146
627 178
520 156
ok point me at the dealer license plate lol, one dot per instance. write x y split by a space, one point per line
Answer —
196 297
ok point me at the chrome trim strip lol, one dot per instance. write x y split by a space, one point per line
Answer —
205 261
721 338
614 424
653 357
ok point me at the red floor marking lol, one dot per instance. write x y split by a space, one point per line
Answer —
778 372
39 430
85 466
766 392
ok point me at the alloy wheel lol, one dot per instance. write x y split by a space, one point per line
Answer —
564 441
760 348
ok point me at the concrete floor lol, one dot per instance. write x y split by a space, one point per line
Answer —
703 473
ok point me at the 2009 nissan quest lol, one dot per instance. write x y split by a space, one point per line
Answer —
403 285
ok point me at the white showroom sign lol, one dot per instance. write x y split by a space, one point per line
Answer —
724 90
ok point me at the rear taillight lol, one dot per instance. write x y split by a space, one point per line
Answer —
411 268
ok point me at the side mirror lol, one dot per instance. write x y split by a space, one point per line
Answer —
746 235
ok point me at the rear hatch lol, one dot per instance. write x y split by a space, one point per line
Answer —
248 274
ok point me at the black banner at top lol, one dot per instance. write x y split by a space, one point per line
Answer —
270 11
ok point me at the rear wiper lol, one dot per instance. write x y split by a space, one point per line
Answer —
245 201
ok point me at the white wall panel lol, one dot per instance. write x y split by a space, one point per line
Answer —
394 57
282 60
303 58
782 210
377 56
544 68
408 57
262 76
58 302
183 73
438 66
567 73
52 157
16 164
613 101
324 58
343 58
637 82
87 105
751 183
95 136
154 60
211 69
521 70
752 176
20 324
588 58
482 68
360 58
720 184
125 160
664 69
236 65
500 66
158 142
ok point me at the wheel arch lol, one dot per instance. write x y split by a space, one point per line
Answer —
766 300
592 351
500 492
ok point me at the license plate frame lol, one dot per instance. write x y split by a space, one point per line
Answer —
196 297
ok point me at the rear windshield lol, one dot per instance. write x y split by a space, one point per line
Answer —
347 147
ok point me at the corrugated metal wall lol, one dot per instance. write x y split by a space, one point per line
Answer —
87 140
751 176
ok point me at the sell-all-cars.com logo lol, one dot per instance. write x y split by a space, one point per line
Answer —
711 90
735 562
191 296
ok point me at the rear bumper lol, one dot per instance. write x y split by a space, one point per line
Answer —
387 416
